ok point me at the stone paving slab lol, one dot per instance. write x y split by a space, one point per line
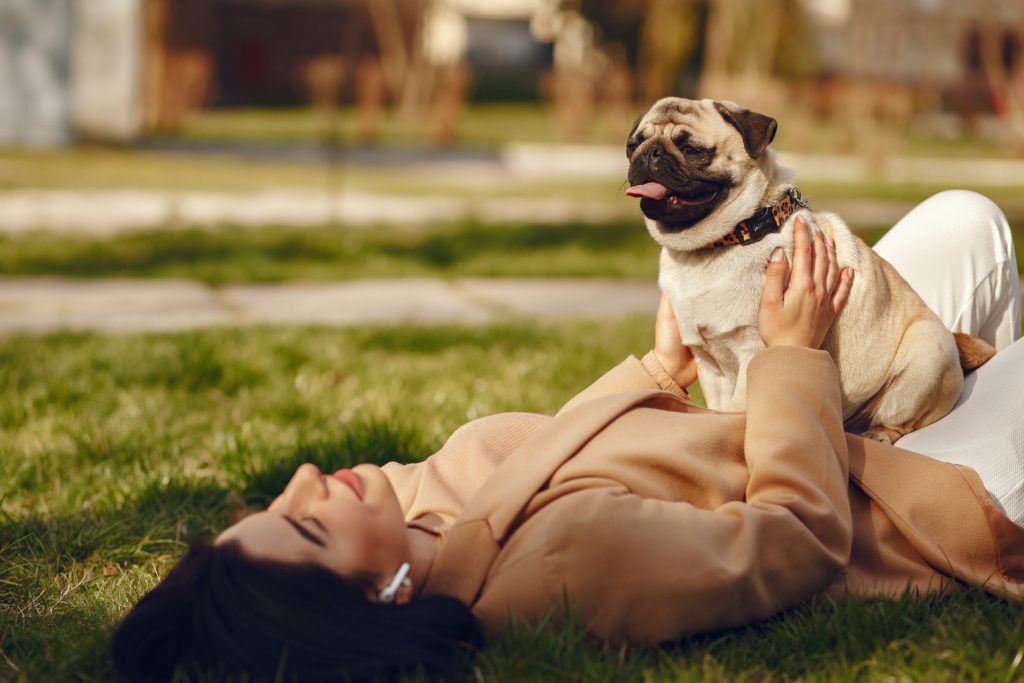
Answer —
563 298
106 213
45 305
414 300
37 305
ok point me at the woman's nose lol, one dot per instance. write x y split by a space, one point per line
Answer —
303 485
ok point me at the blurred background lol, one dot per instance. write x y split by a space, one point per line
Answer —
127 71
190 138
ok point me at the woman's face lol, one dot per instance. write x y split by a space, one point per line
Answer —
349 522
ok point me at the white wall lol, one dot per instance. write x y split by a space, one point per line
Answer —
34 72
107 69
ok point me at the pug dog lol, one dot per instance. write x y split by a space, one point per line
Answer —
716 200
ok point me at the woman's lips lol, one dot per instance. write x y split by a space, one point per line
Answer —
351 480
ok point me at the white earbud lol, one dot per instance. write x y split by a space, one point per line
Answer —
401 578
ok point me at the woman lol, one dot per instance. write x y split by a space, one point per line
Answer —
645 516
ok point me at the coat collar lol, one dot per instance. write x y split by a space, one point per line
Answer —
474 541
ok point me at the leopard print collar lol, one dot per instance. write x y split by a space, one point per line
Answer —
765 221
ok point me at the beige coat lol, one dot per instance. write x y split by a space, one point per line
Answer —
650 518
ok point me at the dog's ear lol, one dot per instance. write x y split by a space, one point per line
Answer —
757 130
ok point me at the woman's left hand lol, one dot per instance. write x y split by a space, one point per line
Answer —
798 307
676 358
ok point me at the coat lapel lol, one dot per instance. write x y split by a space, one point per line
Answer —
474 541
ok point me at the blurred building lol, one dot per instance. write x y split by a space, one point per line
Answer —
935 46
250 51
69 69
508 44
35 78
114 69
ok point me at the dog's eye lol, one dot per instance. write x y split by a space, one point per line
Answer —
631 147
690 150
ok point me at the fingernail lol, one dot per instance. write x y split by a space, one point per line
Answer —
828 240
776 256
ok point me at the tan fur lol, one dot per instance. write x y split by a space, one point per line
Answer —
899 366
974 352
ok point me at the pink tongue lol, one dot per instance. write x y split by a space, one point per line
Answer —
648 190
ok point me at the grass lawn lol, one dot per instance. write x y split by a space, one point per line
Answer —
115 449
492 125
618 248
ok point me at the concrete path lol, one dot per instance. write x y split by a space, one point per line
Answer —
38 305
44 305
109 212
105 213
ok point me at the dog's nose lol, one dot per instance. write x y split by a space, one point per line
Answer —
654 154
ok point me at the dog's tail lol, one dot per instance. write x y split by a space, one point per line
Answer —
974 352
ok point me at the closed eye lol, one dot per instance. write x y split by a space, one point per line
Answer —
690 149
631 147
316 522
304 532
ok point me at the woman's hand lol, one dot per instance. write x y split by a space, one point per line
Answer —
676 358
798 307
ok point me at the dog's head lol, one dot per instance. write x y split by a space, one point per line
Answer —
699 168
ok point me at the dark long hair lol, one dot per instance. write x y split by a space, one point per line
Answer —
221 611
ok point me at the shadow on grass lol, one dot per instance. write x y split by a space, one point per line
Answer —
273 253
433 340
448 248
65 579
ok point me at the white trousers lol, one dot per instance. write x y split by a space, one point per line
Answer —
955 249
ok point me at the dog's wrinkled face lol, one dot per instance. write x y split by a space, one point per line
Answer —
690 162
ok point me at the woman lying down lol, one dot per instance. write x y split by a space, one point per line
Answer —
645 516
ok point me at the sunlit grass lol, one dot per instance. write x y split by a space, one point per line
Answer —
116 449
618 249
489 126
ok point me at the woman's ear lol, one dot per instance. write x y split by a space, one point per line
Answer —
404 593
396 585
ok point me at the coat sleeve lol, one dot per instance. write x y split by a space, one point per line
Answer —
644 570
629 375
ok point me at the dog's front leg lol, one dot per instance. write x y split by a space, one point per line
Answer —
716 384
739 396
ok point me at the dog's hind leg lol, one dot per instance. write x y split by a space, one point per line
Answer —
924 383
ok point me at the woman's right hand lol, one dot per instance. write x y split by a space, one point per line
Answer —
798 307
675 357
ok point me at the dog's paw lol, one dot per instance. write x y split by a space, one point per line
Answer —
808 217
886 435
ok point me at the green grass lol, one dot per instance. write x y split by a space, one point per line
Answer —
616 249
115 449
491 125
483 126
